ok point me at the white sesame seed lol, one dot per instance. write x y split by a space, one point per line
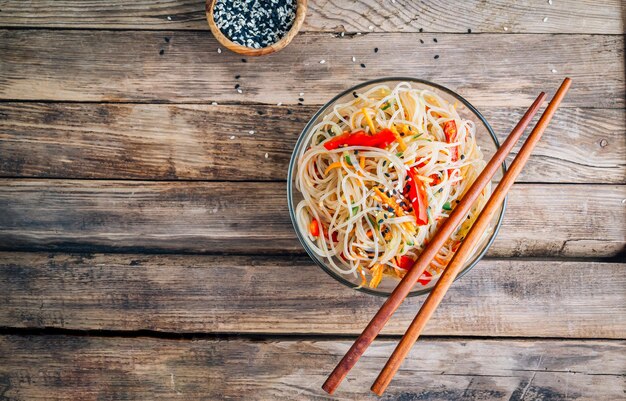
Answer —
545 19
359 33
353 59
251 132
214 103
232 137
506 29
322 61
550 2
219 50
267 155
342 34
169 18
371 27
239 90
301 94
279 104
553 71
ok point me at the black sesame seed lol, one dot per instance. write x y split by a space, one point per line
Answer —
289 111
376 50
237 86
469 30
421 29
301 99
161 52
436 56
468 217
300 104
253 23
362 65
166 39
237 76
462 157
435 40
243 60
422 41
354 94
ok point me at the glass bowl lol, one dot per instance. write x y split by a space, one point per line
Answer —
485 138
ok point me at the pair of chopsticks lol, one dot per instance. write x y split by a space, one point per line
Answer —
471 239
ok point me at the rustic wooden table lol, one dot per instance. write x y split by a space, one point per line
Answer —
146 255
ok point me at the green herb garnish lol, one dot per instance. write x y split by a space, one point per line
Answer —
447 206
355 210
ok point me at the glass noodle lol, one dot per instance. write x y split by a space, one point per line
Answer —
356 210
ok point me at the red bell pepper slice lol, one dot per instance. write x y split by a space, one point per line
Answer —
449 129
424 281
406 263
417 197
314 228
378 140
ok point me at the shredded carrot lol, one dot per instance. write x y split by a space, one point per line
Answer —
363 277
369 120
362 162
401 143
425 179
377 275
441 261
397 209
332 166
370 234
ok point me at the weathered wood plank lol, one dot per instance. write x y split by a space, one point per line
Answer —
191 142
218 294
119 66
565 220
70 368
587 16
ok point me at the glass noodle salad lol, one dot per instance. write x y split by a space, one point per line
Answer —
380 175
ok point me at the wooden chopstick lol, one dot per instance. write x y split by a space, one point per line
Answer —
450 224
467 246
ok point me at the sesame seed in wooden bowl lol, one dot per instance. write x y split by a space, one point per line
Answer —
232 35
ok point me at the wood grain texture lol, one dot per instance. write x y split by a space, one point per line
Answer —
253 217
118 66
191 142
235 294
69 368
587 16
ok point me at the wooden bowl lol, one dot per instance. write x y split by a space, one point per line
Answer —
301 6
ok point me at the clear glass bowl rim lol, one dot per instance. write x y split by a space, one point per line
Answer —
293 161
